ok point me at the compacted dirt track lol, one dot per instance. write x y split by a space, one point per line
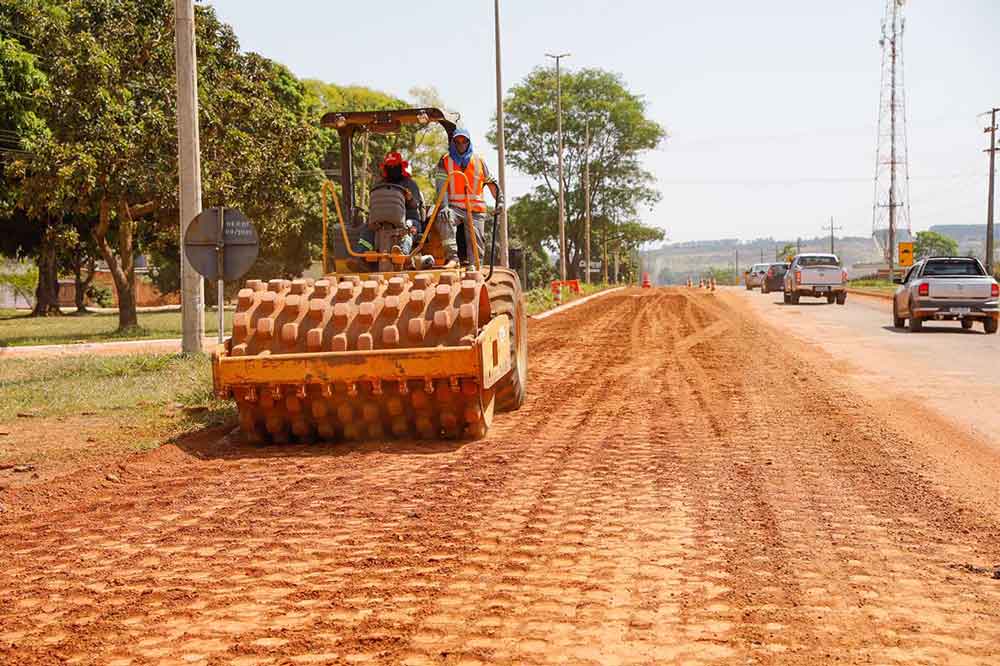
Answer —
680 488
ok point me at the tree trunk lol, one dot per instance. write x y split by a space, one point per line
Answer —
81 284
47 292
122 267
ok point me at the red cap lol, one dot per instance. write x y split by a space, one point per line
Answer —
395 159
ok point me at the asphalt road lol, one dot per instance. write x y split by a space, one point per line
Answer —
685 485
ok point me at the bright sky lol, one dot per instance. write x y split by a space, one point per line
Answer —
771 105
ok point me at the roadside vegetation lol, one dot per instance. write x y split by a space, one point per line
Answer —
541 299
19 328
872 284
59 412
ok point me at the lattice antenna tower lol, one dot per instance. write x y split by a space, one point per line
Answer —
891 208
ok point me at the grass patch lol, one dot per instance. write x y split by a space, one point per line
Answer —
134 387
541 299
873 284
20 329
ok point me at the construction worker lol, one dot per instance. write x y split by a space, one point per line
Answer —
396 171
465 193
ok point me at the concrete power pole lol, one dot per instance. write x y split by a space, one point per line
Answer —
832 229
992 131
189 169
586 204
501 154
562 195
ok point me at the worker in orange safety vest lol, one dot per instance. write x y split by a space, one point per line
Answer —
465 194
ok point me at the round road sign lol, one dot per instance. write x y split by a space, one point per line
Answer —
235 240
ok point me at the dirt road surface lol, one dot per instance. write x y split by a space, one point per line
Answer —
682 487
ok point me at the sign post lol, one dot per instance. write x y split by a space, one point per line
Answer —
221 244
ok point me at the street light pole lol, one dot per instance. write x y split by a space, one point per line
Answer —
189 171
501 153
562 195
586 206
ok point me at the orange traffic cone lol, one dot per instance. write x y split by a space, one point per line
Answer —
646 284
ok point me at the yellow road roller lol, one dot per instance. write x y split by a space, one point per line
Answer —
411 347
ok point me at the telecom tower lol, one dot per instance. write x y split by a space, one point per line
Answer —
891 209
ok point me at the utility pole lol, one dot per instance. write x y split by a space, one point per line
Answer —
832 228
892 154
586 203
798 245
604 261
992 131
501 153
562 195
189 170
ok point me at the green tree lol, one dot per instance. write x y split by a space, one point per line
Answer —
619 133
111 154
931 243
788 250
24 92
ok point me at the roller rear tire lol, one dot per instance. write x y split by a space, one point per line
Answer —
507 298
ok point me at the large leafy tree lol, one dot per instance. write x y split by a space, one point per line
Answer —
111 153
24 92
595 103
931 243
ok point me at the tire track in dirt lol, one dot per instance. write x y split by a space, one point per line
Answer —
647 506
842 567
251 492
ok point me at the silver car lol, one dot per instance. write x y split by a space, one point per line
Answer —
818 275
946 288
755 275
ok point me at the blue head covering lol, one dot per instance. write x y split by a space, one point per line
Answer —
461 159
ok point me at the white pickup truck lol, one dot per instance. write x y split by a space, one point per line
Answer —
942 288
817 275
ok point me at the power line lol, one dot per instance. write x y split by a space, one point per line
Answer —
819 180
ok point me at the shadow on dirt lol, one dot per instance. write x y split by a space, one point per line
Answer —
226 443
802 304
953 330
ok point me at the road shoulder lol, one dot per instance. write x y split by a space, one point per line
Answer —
944 443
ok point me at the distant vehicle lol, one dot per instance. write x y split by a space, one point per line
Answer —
774 278
755 275
817 275
946 288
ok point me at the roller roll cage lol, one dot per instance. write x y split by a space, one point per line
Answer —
349 123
